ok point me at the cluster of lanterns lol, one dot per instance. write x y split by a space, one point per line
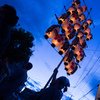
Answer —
73 26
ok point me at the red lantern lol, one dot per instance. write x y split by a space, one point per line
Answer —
74 43
80 57
68 33
69 64
78 50
63 48
71 67
63 19
52 31
74 18
58 40
83 42
66 27
72 70
80 34
79 10
84 25
77 26
68 57
89 21
70 36
76 3
81 17
71 10
84 8
87 31
89 37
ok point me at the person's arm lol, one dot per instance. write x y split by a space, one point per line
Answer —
54 75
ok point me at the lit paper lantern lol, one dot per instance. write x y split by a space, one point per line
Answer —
80 34
84 8
68 33
82 17
89 21
76 3
72 69
68 58
74 18
78 50
58 40
71 10
63 48
77 26
52 31
70 36
66 27
83 42
69 64
63 19
74 43
84 25
87 31
80 57
89 37
79 10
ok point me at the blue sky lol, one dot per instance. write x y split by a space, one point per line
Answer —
38 15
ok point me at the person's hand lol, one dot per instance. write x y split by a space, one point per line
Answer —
55 70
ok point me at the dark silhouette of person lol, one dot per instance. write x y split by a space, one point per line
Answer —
15 80
8 19
54 91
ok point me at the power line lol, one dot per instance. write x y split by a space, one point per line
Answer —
88 63
88 92
88 72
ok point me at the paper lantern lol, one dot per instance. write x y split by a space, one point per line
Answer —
80 34
68 33
82 17
72 70
52 31
84 25
78 50
69 64
89 37
79 10
83 42
76 3
74 18
68 57
77 26
66 27
71 67
80 57
89 21
58 40
71 10
63 19
84 8
87 31
74 43
63 48
70 36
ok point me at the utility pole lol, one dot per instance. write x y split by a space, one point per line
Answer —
98 93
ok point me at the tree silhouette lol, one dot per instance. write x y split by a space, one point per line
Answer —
20 47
